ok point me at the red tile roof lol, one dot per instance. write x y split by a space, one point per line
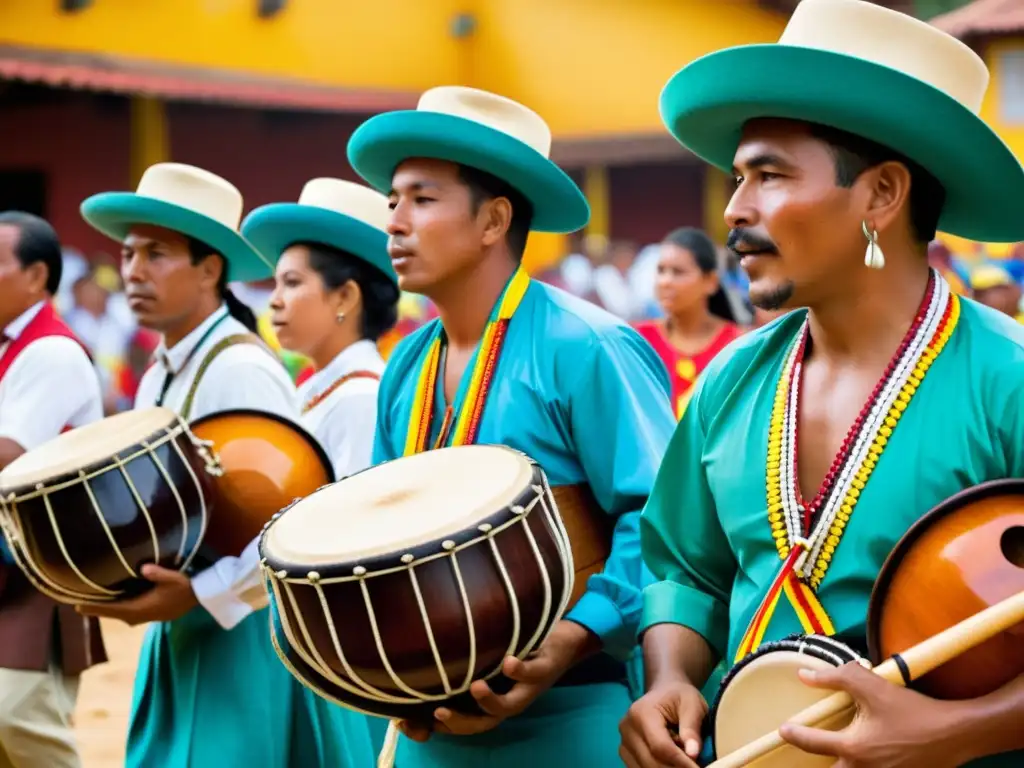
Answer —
983 17
96 72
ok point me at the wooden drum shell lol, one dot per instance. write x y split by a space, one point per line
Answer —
965 555
449 609
267 462
81 537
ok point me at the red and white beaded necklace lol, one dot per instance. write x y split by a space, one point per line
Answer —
806 552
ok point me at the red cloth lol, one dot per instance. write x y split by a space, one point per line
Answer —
46 323
683 369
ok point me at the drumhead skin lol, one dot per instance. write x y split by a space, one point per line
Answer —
395 593
84 447
397 507
763 691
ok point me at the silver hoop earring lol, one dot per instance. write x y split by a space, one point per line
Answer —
873 256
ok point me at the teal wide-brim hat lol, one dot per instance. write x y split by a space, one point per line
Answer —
350 217
187 200
869 71
481 130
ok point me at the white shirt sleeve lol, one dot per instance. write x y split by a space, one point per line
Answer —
350 428
50 385
232 588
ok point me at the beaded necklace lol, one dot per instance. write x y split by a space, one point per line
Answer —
467 423
807 534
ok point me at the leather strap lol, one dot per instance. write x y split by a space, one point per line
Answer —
216 349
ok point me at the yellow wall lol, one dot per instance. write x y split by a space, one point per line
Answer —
1011 133
598 66
400 44
588 66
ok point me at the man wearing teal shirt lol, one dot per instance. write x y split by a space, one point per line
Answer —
573 387
851 141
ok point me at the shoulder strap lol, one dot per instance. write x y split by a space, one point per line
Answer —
315 401
216 349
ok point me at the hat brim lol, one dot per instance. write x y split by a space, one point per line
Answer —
706 104
115 213
273 228
384 141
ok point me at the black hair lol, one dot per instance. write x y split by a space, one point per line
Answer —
484 186
198 250
380 294
706 258
854 154
37 243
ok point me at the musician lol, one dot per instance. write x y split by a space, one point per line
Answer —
47 385
335 295
550 375
833 223
209 689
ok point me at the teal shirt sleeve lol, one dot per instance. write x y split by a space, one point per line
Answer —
621 421
682 539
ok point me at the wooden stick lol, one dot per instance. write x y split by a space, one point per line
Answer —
920 660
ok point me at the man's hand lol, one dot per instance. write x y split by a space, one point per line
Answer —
894 727
171 598
567 644
663 727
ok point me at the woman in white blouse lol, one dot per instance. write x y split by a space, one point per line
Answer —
336 294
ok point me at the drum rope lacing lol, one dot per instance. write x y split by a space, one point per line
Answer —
38 577
807 554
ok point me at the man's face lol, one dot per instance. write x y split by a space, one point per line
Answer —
20 287
434 232
161 282
1005 298
795 230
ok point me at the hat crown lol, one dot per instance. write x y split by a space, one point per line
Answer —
349 199
195 189
891 39
490 109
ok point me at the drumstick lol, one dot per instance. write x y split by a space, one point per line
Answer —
919 660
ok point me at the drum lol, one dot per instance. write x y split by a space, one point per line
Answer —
267 462
762 691
83 512
397 587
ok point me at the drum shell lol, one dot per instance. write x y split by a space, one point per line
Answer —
403 639
267 462
149 508
963 556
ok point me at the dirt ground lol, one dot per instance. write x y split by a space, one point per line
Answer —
104 700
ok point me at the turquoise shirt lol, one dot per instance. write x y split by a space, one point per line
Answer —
585 396
705 531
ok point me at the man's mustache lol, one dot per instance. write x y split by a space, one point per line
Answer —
748 241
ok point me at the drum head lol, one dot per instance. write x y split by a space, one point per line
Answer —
398 505
762 696
84 446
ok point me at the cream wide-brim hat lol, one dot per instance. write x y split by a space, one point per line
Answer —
339 214
187 200
873 72
480 130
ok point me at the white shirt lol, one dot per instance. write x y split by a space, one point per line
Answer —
345 421
50 385
241 376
